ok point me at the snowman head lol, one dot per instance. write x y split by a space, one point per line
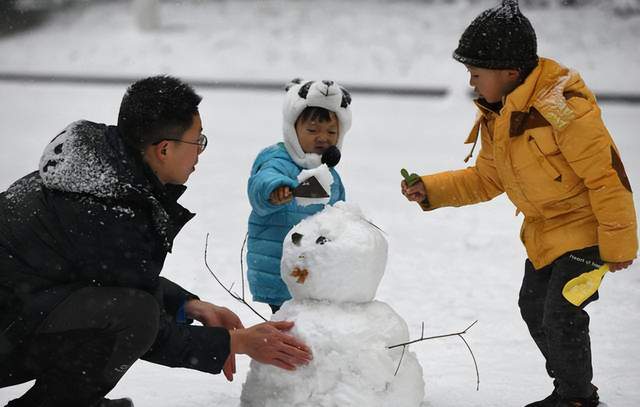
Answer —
334 255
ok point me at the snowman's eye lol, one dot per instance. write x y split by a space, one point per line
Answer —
296 238
321 240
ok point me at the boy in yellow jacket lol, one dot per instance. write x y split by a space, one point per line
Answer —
544 143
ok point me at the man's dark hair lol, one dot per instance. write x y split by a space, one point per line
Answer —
316 113
156 108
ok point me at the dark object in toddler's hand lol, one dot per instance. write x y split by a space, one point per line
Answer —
331 156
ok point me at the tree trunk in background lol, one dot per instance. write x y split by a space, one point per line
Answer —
147 13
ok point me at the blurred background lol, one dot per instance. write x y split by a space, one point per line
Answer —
371 42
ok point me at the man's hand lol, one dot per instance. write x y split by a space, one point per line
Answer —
613 267
212 315
281 195
416 192
267 343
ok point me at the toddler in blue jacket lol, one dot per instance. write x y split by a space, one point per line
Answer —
316 116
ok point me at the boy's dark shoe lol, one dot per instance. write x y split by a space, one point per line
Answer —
549 401
554 400
125 402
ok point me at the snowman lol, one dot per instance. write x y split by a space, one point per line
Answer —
332 263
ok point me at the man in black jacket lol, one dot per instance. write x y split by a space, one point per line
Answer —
82 244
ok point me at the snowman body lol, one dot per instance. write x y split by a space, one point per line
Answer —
332 263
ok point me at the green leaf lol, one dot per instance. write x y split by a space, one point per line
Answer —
410 179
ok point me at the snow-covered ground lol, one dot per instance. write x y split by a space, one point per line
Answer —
446 268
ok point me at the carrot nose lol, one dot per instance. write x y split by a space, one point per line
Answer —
301 274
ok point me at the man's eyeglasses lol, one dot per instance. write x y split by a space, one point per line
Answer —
201 143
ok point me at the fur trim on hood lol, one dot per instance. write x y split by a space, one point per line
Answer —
325 94
91 158
79 159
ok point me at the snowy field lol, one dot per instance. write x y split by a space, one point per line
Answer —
362 41
446 268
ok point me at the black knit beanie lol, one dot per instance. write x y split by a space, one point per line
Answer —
499 38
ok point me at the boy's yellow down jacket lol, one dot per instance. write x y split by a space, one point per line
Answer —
549 150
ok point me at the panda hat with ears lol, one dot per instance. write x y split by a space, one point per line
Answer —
300 95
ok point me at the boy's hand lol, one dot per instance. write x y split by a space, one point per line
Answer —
281 195
613 267
415 193
409 178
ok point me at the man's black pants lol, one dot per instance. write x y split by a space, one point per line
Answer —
560 329
85 346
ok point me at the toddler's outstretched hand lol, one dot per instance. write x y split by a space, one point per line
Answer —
281 195
415 192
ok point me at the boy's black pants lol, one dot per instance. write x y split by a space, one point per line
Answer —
560 329
85 346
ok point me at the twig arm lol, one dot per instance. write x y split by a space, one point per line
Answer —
228 290
474 362
422 338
